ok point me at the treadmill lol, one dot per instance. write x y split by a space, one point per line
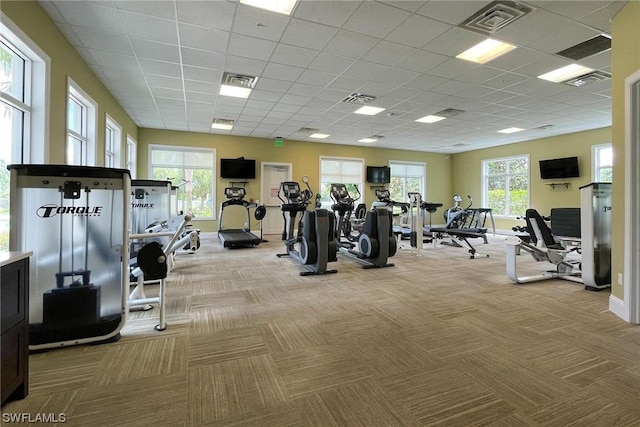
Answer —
237 237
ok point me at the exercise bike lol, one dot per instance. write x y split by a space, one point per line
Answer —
316 229
375 242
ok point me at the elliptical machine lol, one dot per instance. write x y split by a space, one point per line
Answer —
316 229
375 243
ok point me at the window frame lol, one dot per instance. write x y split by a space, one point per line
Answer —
595 161
183 149
112 142
361 184
33 147
87 136
485 182
423 188
131 161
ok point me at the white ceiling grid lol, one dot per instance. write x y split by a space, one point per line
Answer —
163 61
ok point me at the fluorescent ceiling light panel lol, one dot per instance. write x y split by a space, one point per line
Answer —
221 126
369 111
430 119
368 140
510 130
565 73
486 51
235 91
319 135
278 6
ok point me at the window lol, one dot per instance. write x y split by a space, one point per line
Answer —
81 125
406 177
348 171
192 171
132 156
602 163
112 143
505 185
23 109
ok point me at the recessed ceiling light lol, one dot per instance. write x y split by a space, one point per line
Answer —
235 91
367 140
430 119
221 126
565 73
369 111
279 6
486 51
510 130
319 135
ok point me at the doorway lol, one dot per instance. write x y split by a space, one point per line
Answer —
272 175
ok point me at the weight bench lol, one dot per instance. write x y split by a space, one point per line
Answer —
460 238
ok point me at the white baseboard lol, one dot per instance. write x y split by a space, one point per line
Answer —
616 306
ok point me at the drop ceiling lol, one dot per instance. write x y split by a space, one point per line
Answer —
164 61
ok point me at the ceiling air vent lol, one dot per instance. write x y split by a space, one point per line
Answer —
543 127
587 48
495 17
239 80
223 122
595 76
308 130
358 98
448 113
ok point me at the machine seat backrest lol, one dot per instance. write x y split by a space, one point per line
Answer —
541 229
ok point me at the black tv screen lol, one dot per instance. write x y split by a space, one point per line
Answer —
566 167
237 168
379 174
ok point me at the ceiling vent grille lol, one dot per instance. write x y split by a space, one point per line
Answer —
358 98
544 127
223 122
377 136
448 113
495 17
239 80
595 76
308 130
587 48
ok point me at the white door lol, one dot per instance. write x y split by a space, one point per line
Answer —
272 175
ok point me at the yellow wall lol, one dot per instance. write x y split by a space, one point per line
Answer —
304 156
625 60
65 61
467 167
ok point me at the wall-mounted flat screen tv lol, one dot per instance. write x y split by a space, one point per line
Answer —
379 174
237 168
566 167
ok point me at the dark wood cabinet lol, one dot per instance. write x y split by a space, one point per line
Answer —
14 323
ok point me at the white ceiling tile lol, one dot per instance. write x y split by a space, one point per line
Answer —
601 18
106 59
365 70
331 63
69 33
422 61
159 51
295 99
503 81
282 72
167 93
388 53
102 40
350 44
332 95
259 23
201 74
88 14
160 9
317 11
273 85
287 108
293 55
149 27
304 89
417 31
250 47
453 68
397 76
236 64
564 36
203 59
265 95
479 74
213 14
425 82
543 65
163 81
375 19
203 87
203 38
160 68
308 34
317 78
